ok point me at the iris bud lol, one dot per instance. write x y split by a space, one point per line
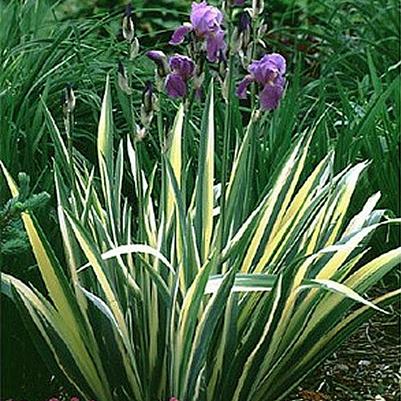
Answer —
134 50
257 7
68 99
148 104
128 24
148 98
123 80
161 61
242 33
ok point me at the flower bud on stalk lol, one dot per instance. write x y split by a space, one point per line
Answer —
123 80
134 48
257 7
140 134
242 34
244 27
225 87
161 61
68 100
162 67
128 30
128 24
261 33
68 103
148 104
247 55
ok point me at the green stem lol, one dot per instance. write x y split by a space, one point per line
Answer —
69 124
255 22
226 154
252 153
141 217
160 125
140 191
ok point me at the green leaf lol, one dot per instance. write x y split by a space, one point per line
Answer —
204 185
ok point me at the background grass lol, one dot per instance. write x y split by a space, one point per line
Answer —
344 66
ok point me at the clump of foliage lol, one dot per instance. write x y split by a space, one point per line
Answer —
226 266
13 239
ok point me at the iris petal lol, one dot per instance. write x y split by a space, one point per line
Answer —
180 33
182 65
175 85
279 61
243 86
205 18
267 68
214 45
271 94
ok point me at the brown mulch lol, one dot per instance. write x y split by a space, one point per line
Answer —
366 368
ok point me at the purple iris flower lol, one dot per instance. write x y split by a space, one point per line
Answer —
268 72
206 24
177 69
182 69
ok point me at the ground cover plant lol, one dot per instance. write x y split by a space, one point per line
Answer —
213 241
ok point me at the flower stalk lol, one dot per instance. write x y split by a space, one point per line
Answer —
226 137
69 102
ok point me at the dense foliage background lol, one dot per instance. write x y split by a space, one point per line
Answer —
344 62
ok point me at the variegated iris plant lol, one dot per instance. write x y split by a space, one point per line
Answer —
163 300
